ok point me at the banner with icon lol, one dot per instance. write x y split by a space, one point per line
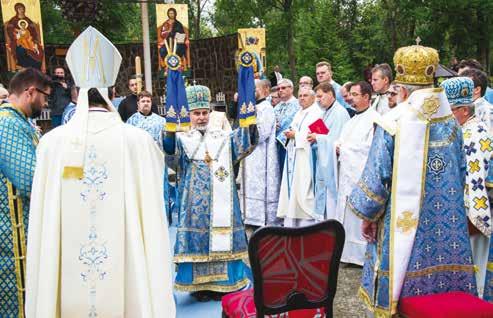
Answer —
253 40
173 33
23 34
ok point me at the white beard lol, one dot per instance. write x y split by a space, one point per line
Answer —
201 127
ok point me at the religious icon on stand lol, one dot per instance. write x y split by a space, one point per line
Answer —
23 34
253 40
172 28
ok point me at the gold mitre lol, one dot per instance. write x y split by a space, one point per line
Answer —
415 64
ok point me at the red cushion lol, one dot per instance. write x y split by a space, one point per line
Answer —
241 305
447 305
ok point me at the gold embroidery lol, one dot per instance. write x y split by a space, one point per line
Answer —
474 166
443 143
440 268
489 267
407 222
73 172
480 203
212 287
19 244
375 197
214 256
485 145
209 278
430 106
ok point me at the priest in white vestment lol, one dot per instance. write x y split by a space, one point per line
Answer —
381 78
334 117
297 196
98 238
260 170
352 149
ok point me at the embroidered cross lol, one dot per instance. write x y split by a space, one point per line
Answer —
481 129
417 265
452 191
474 166
440 258
477 184
438 232
485 145
454 245
221 174
407 222
428 248
437 178
426 221
480 203
470 148
467 134
441 285
469 286
454 218
438 205
418 291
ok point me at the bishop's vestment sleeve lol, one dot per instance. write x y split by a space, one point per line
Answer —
169 143
369 196
17 155
243 141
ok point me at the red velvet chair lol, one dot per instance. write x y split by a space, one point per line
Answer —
294 273
446 305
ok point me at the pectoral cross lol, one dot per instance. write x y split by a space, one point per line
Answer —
207 158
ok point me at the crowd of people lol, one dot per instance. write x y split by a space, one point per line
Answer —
402 164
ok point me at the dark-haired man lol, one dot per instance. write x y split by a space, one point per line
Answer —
482 108
128 106
469 64
60 96
352 149
29 91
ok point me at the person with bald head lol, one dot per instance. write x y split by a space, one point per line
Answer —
260 173
297 196
306 81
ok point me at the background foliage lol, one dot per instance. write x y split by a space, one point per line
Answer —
351 34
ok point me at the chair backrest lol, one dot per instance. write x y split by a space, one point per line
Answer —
295 268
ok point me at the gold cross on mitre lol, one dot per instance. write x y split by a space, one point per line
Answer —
93 60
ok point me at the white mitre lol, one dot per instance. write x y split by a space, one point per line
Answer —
94 63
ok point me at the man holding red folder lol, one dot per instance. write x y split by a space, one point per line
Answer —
333 118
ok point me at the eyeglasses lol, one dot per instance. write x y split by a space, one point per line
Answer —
355 94
304 83
42 92
283 87
392 93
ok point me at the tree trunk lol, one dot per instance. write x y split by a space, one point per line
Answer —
483 45
288 13
197 21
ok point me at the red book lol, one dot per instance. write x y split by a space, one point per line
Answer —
318 127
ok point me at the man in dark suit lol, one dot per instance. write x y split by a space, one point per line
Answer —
275 76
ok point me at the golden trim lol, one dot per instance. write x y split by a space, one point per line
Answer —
489 184
212 257
441 119
209 278
212 287
489 266
445 142
393 212
19 251
372 195
440 268
222 230
364 217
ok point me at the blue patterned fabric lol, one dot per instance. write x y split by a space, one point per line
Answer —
285 112
68 113
196 268
488 284
458 90
441 258
18 140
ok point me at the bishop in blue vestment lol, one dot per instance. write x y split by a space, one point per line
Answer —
411 197
211 242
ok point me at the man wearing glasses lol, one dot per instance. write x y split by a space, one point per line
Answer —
29 90
284 112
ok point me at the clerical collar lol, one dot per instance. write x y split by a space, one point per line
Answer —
146 115
362 111
260 100
326 109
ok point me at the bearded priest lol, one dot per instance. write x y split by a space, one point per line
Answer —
97 225
210 240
